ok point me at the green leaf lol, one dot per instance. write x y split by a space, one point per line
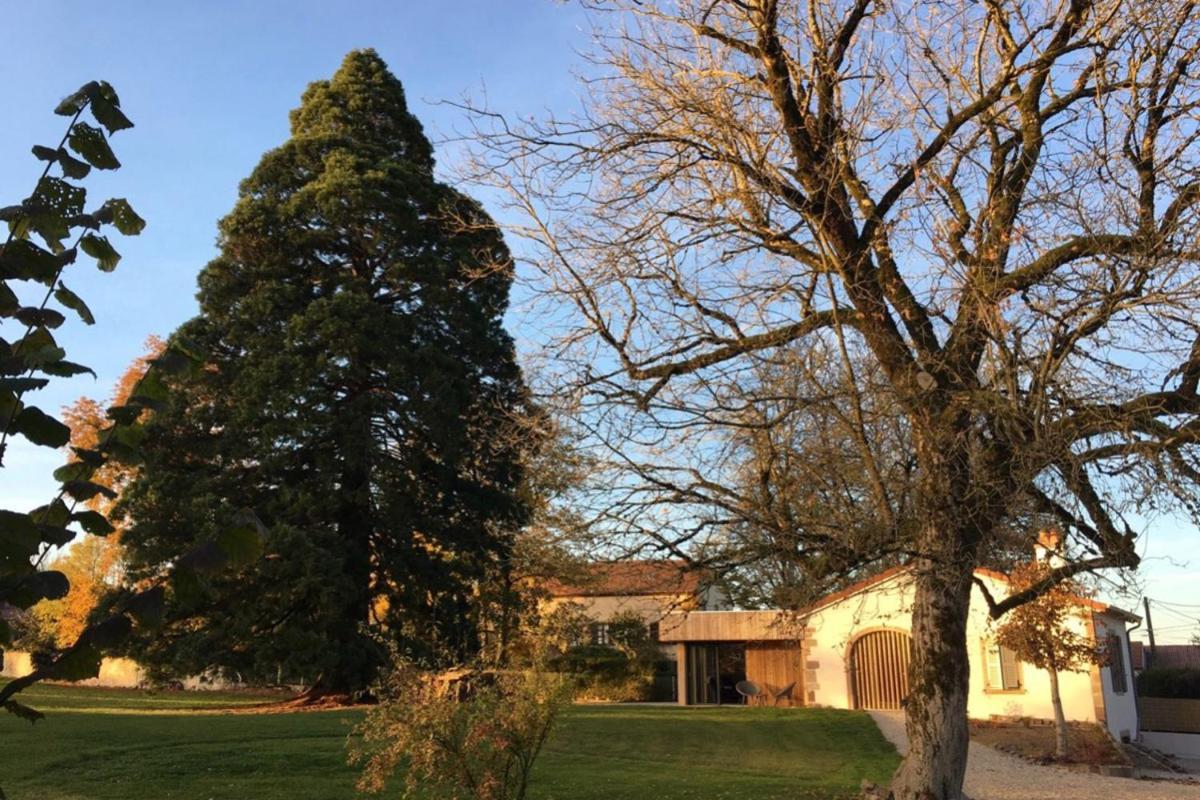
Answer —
41 428
99 248
72 103
26 589
83 491
106 107
77 664
20 537
150 387
91 144
43 153
74 302
173 361
39 317
55 513
38 347
120 214
23 260
23 384
8 301
206 558
72 471
55 535
66 369
93 522
72 167
52 203
241 545
93 458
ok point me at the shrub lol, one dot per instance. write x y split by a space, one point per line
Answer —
474 739
606 673
1177 682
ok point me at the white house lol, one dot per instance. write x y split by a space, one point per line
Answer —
851 650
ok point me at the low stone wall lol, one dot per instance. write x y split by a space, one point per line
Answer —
1184 745
115 673
1170 714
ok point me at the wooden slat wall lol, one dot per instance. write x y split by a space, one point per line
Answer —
879 669
772 666
729 626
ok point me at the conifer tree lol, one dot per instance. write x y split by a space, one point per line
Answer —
356 396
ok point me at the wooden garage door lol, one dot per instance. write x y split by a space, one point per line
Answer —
879 669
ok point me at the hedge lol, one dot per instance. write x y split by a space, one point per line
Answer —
1176 682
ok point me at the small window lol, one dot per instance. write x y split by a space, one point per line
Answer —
1003 668
600 634
654 631
1116 664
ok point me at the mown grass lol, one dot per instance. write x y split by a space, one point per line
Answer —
113 744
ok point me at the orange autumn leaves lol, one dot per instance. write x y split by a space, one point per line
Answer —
93 563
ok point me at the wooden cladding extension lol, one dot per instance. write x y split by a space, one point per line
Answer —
729 626
773 666
878 667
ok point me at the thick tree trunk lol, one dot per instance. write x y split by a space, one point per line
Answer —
937 702
1060 719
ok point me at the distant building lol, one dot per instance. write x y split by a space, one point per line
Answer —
851 649
648 589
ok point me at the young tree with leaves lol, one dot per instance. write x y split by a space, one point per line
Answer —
1050 633
357 395
997 203
54 213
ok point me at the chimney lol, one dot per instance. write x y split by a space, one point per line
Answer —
1049 548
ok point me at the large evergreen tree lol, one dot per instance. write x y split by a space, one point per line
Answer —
356 396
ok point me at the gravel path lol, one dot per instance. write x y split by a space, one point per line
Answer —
992 775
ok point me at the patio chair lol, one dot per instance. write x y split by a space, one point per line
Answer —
783 694
747 690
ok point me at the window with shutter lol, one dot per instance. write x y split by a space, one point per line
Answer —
1116 664
1003 669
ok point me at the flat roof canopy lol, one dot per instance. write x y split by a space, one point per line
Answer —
730 626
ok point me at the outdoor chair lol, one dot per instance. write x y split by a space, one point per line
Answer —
783 694
747 690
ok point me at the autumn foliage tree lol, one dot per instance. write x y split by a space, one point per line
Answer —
1049 633
92 564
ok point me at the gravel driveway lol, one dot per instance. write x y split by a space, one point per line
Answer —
992 775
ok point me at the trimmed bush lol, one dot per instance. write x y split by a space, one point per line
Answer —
1177 682
606 673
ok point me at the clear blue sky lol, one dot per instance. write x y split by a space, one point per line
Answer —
209 86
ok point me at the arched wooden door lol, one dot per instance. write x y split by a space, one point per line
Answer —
879 669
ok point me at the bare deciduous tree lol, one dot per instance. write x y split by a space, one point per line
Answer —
995 201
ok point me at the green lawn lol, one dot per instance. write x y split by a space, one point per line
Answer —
110 744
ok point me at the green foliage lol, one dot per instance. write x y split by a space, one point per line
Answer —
1177 682
475 737
607 673
29 357
356 395
53 212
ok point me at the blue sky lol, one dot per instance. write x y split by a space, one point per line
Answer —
209 86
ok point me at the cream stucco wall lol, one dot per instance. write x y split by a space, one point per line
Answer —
1120 707
889 605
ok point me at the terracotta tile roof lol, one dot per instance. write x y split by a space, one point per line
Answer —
617 578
